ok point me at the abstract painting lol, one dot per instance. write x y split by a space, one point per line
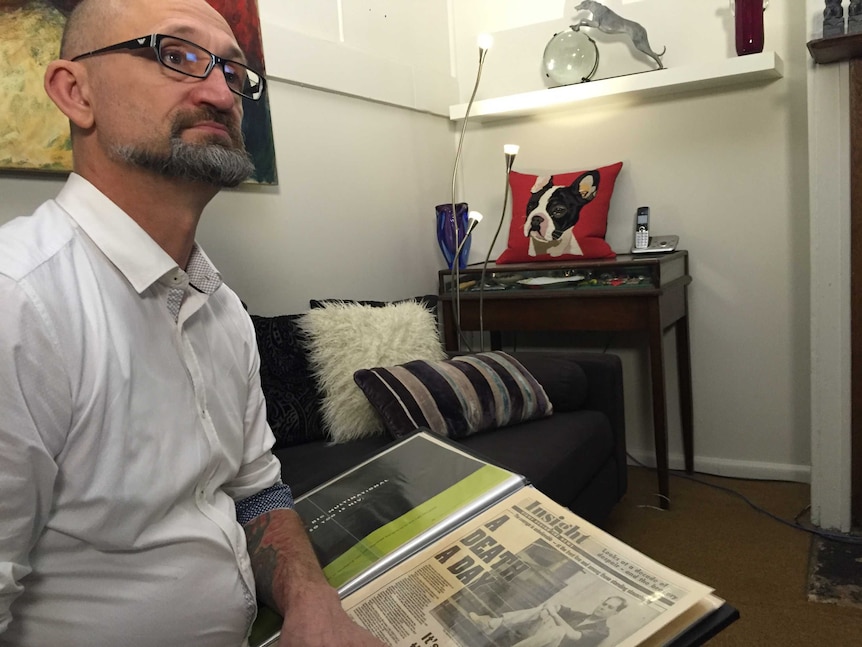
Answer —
34 135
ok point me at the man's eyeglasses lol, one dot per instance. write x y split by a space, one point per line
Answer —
193 60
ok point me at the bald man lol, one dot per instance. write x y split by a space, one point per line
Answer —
140 504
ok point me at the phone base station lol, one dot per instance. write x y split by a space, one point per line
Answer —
658 245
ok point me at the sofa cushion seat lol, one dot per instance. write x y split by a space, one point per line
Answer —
572 445
304 467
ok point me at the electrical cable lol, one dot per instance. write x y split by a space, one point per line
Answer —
510 151
795 524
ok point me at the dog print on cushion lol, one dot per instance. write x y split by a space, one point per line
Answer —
553 210
561 216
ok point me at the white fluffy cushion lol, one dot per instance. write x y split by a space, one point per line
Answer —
343 338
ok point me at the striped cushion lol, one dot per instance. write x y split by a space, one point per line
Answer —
455 397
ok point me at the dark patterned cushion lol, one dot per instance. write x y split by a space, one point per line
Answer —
456 397
292 399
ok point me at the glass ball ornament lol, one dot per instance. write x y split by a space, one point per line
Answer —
571 56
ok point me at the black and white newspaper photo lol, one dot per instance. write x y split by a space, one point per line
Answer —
525 573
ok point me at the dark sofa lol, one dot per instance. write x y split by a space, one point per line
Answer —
576 456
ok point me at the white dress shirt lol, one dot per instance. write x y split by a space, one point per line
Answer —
127 433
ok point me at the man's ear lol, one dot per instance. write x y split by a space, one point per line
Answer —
66 85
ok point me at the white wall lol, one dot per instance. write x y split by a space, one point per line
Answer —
725 170
384 50
353 215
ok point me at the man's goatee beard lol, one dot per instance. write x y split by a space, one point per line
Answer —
212 163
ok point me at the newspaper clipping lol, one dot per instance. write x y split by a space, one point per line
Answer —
525 573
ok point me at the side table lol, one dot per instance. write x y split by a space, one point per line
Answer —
628 293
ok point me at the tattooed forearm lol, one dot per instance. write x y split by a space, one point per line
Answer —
264 556
254 532
290 580
281 556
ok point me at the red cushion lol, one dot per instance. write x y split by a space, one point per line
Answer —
579 202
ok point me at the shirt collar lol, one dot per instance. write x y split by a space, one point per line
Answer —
202 273
132 251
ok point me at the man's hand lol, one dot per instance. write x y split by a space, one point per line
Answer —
552 612
554 615
289 579
316 619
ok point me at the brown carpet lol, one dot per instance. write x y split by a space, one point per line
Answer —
757 564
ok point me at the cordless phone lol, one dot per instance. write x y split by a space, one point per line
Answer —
642 228
646 244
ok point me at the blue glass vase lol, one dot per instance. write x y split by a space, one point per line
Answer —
446 232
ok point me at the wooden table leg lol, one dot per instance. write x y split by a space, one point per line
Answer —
659 407
855 281
686 408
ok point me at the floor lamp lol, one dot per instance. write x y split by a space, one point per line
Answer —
484 42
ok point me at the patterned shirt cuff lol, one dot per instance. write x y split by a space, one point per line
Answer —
275 497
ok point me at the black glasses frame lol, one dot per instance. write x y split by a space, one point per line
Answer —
250 89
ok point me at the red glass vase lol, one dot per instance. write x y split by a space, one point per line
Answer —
748 23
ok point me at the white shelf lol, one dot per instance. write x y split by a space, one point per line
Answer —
765 66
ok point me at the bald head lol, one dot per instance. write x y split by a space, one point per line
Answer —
97 23
132 112
85 20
